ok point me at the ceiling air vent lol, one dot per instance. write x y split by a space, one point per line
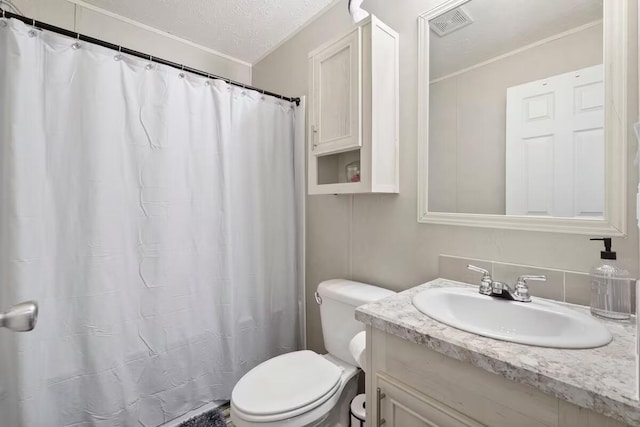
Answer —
450 22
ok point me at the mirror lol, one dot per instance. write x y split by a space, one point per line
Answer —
518 122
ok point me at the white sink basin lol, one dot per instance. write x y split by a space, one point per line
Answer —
538 323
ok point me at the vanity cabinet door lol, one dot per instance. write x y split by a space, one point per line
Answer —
403 406
337 94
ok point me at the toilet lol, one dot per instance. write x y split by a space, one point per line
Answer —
305 388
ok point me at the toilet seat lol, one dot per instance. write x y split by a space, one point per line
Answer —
286 386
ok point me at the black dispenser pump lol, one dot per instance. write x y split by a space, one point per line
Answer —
607 253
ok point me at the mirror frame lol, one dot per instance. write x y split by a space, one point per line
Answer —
616 54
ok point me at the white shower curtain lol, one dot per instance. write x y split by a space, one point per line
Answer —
153 216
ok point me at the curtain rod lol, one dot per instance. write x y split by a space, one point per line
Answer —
120 49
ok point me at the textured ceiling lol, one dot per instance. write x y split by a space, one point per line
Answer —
501 26
243 29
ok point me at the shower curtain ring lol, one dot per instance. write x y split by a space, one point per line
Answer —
181 75
32 31
76 45
118 56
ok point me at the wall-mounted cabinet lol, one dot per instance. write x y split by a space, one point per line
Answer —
353 116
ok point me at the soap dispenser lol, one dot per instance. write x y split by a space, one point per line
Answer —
610 286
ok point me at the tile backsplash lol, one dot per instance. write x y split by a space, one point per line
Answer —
568 286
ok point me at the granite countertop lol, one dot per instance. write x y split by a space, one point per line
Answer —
601 379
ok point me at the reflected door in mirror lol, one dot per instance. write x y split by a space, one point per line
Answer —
555 146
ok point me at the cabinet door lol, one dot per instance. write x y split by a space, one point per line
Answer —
402 406
337 96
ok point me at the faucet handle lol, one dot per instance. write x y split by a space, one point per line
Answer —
522 290
479 270
524 278
486 284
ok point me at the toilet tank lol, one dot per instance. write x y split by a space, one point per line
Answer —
339 299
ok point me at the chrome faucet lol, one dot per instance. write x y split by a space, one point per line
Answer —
520 292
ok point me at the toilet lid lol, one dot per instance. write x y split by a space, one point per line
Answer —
286 383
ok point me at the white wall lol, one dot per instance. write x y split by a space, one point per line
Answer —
65 14
376 238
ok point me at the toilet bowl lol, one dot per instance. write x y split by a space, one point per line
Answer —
304 388
289 397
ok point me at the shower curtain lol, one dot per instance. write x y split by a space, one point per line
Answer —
154 216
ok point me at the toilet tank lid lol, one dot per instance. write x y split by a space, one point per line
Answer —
352 293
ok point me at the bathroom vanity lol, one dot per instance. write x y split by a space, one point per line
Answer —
425 373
